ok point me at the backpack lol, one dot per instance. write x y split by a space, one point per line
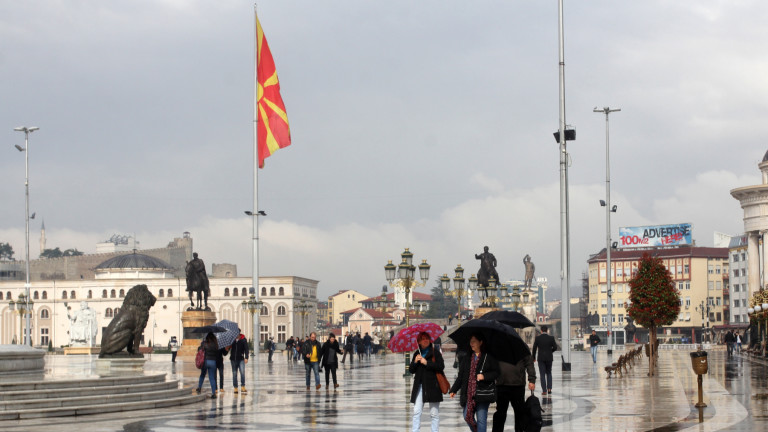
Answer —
532 421
200 357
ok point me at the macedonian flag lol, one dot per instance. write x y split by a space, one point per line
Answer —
272 131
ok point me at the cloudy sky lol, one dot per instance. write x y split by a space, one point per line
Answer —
424 124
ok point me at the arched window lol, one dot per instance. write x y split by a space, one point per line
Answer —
108 313
44 314
117 310
281 311
1 295
112 294
8 295
226 292
45 295
170 292
272 291
64 295
281 291
35 296
72 295
122 293
264 311
161 293
90 294
104 294
263 292
235 292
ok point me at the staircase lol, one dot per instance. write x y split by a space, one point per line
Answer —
58 398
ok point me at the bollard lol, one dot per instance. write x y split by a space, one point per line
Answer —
700 367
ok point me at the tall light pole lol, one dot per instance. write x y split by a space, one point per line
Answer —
27 131
458 287
253 306
608 210
406 272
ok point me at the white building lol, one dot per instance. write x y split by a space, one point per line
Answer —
279 316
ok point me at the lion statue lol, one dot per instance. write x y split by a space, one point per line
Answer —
127 326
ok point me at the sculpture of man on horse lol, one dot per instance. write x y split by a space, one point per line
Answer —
487 268
197 282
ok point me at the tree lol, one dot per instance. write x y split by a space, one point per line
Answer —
655 301
441 305
57 253
6 252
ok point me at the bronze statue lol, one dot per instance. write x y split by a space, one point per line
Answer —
197 281
126 328
530 269
630 328
487 268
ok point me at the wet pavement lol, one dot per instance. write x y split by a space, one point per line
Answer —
374 396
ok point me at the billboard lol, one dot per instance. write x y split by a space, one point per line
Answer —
656 235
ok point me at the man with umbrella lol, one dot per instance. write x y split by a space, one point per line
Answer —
239 358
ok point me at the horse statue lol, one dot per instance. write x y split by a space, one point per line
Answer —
197 282
487 268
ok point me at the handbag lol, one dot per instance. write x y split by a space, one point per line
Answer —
442 381
486 390
200 358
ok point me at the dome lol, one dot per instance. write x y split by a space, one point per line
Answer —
134 261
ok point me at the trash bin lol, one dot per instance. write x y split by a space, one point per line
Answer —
699 362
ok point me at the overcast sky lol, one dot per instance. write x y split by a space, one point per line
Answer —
423 124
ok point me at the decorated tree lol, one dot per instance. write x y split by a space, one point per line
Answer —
655 301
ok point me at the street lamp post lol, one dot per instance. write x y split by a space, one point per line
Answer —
406 280
252 306
608 211
24 307
25 150
458 287
303 309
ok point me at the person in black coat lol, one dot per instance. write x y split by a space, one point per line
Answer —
329 359
238 358
211 347
486 371
545 345
425 364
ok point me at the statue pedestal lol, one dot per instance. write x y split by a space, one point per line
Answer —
16 360
482 310
189 321
122 364
81 350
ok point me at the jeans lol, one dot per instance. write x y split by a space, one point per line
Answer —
507 395
240 365
313 366
738 347
594 353
481 415
210 368
173 356
545 372
418 407
730 348
269 360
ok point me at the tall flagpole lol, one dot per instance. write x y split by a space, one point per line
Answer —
255 211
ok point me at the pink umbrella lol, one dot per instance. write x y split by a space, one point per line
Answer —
405 339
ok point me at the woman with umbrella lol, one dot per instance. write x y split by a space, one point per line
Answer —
211 348
425 364
477 373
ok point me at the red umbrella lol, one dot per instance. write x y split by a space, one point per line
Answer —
405 339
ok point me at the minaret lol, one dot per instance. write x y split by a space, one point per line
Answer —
42 237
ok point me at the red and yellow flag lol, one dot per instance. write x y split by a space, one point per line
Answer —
272 128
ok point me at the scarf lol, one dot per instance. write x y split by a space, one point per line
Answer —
471 389
425 352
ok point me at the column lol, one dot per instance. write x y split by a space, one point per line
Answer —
764 262
753 262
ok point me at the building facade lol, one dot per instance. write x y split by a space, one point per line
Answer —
701 276
343 301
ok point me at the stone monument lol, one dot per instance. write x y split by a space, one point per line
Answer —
125 330
83 329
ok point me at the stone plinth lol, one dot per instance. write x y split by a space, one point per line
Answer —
482 310
122 364
189 321
81 350
21 359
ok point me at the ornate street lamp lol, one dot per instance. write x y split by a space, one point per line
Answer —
24 307
252 305
406 280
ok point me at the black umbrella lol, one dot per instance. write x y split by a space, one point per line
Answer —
510 318
501 340
209 329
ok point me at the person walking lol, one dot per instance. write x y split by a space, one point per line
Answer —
220 366
546 345
438 345
349 347
289 348
729 339
594 341
425 364
299 345
238 358
738 343
359 346
270 348
211 347
510 389
174 347
367 340
478 370
311 351
329 359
